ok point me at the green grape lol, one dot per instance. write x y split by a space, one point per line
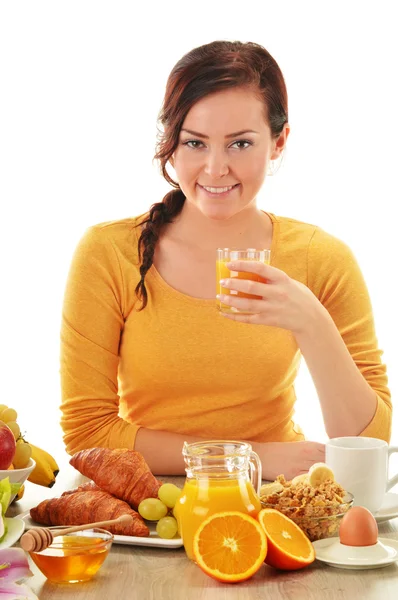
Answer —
13 425
152 509
169 494
9 414
167 528
23 452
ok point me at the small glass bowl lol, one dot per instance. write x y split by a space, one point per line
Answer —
74 557
17 476
317 522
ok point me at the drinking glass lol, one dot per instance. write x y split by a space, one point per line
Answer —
225 255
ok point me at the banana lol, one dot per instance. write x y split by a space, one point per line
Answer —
50 459
267 489
318 473
43 473
300 479
20 493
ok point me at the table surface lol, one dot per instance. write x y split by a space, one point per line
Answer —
136 572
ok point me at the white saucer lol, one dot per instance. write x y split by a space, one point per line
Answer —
335 554
15 528
152 540
389 508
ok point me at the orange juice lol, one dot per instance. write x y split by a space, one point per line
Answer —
203 497
224 273
226 255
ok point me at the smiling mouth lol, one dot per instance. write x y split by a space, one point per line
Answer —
218 190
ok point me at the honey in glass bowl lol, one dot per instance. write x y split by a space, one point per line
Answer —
74 557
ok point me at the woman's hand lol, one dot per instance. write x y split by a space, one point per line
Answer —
284 302
288 458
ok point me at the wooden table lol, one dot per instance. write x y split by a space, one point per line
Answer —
138 573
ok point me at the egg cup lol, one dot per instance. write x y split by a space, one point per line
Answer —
335 554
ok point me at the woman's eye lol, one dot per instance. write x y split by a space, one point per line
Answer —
192 143
242 144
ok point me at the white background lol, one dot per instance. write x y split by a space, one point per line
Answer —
81 85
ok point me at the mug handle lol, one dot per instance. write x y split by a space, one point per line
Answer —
256 471
391 482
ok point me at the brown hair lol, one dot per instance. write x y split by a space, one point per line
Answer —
203 71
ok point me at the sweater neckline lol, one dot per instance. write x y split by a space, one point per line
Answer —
208 301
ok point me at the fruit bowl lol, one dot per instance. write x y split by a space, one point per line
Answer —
317 522
74 557
18 475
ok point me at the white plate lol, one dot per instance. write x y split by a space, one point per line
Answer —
335 554
389 508
15 528
129 540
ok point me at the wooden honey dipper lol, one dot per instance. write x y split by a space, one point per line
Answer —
37 539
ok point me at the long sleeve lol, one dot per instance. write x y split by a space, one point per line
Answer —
335 278
92 324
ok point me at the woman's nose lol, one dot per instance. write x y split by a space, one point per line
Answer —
216 164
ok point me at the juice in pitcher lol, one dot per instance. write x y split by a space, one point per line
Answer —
219 478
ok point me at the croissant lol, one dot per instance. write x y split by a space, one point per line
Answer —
79 508
121 472
89 486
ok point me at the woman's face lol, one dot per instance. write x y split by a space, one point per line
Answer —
223 153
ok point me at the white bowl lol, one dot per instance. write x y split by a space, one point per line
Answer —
18 475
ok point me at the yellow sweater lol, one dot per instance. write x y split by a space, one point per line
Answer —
178 366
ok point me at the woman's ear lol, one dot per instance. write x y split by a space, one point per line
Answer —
171 160
280 142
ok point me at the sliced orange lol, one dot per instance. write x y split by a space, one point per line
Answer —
230 546
288 546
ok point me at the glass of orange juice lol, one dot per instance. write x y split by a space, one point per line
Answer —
221 475
225 255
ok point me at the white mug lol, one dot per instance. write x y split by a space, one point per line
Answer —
360 465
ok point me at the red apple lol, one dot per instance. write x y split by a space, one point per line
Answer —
7 446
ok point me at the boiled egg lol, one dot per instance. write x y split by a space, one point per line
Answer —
358 527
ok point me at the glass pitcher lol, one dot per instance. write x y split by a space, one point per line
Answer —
221 475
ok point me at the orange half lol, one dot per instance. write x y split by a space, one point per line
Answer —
230 546
288 546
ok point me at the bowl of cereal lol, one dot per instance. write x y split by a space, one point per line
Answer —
318 511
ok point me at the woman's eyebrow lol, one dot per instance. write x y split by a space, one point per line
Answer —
230 135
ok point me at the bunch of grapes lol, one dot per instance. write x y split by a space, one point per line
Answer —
23 450
159 509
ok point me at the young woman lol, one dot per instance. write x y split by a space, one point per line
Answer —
148 361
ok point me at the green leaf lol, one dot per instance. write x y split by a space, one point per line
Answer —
7 490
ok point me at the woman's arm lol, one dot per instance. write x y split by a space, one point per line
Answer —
332 321
162 451
340 345
92 324
347 401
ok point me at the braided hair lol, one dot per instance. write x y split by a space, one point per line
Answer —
205 70
160 214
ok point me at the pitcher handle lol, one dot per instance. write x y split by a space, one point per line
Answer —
391 482
256 471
